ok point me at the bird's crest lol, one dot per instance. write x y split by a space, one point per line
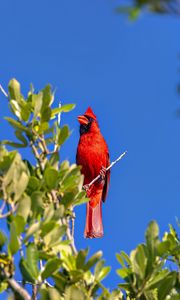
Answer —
90 113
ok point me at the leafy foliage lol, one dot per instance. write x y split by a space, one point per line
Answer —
38 206
135 7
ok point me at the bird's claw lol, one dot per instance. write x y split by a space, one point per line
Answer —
102 173
86 187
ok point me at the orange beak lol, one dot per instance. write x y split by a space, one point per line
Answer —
83 120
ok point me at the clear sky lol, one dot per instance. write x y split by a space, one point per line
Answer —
128 73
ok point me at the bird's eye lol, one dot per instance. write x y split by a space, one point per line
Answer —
89 118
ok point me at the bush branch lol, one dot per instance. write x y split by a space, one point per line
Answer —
3 91
18 289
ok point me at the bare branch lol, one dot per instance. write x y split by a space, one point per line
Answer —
59 115
108 168
7 214
3 91
18 289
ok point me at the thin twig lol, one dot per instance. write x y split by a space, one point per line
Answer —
70 237
59 115
2 216
2 207
108 168
3 91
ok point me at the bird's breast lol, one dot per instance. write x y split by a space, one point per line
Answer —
91 155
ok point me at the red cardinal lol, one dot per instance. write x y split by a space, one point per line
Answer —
93 156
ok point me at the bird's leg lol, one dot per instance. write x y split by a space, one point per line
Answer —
102 173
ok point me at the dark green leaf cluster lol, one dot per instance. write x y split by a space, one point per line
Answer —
145 271
135 7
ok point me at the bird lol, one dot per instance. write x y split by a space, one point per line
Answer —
93 157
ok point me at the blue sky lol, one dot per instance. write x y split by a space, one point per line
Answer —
128 73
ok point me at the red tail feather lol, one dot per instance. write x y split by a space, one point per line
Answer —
94 226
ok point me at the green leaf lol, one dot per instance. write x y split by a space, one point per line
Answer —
20 137
31 230
25 270
73 293
54 160
63 135
104 272
139 261
51 178
20 223
53 237
152 236
3 286
166 285
2 240
126 257
32 260
17 125
34 183
45 115
13 243
24 206
120 259
14 89
93 260
48 96
37 202
37 101
63 108
124 273
14 106
81 258
163 248
51 267
68 199
154 281
13 144
25 111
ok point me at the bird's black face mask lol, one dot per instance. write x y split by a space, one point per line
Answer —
84 128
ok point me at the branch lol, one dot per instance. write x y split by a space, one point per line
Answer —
108 168
18 289
7 214
3 91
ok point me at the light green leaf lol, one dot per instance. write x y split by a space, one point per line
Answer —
63 108
2 239
51 267
13 243
63 135
51 178
34 183
37 101
32 259
103 273
26 272
139 261
19 222
37 202
163 247
14 89
24 206
17 125
81 258
53 237
31 230
93 260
